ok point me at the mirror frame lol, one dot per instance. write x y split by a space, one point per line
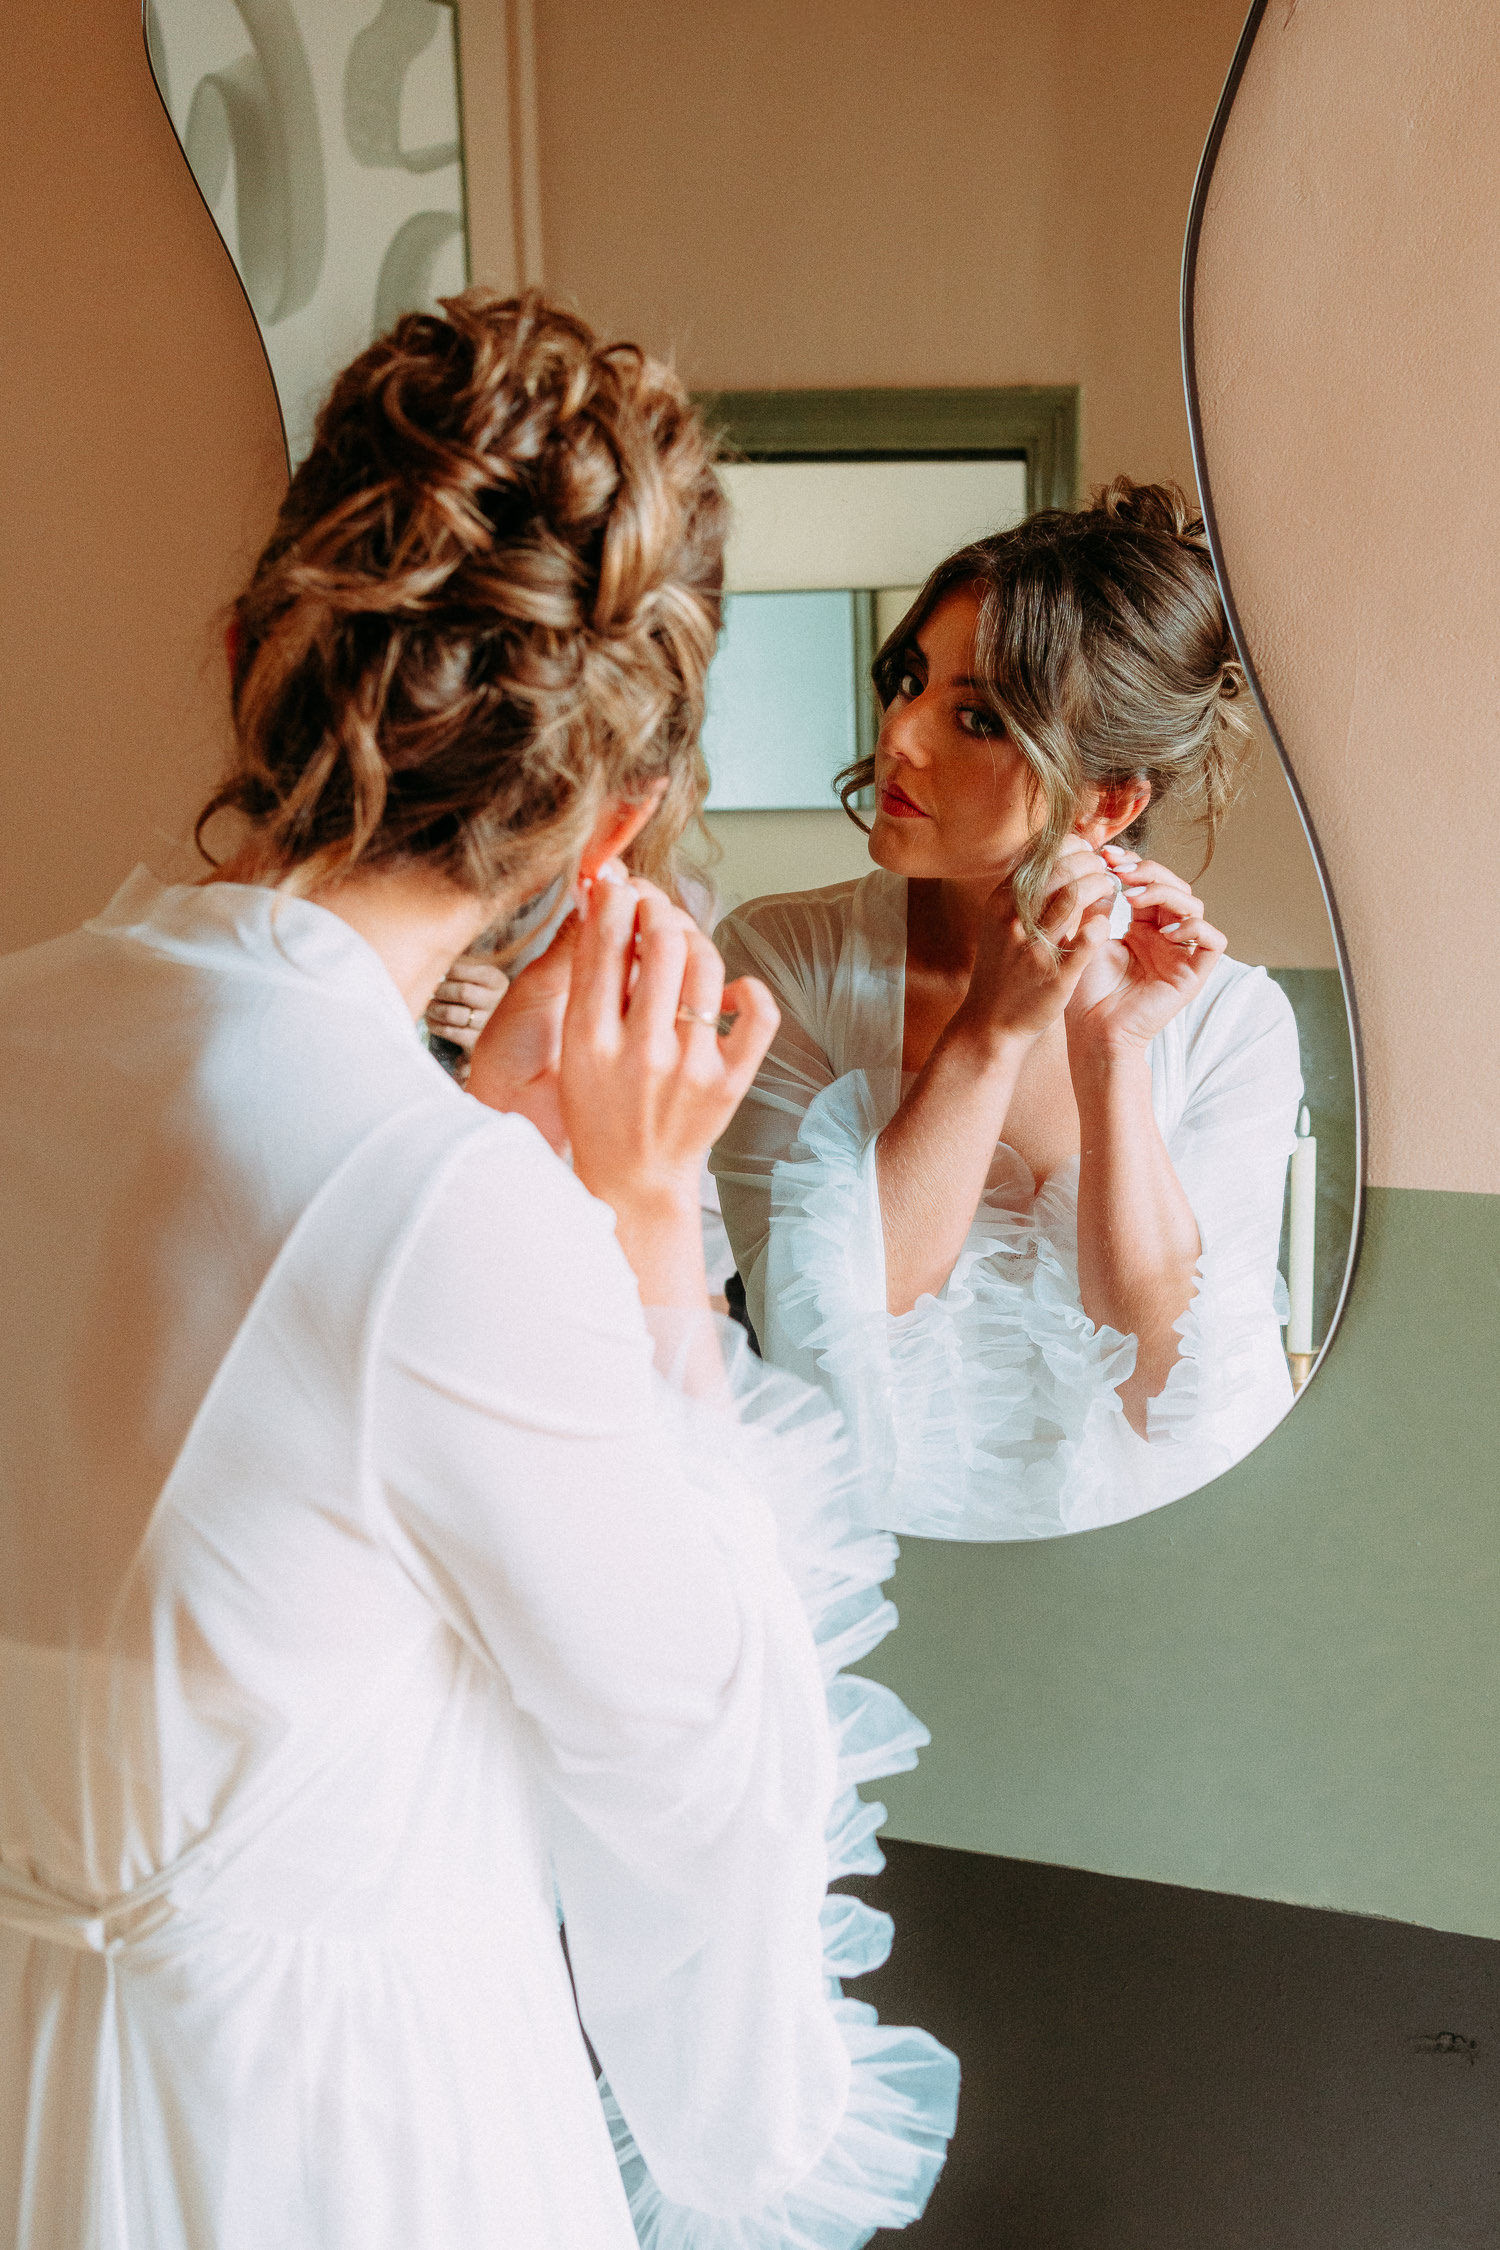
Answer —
1202 187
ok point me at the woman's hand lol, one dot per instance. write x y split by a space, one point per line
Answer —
514 1064
647 1083
1017 986
1130 990
465 1000
610 1044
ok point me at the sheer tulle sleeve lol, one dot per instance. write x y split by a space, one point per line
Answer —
991 1410
1229 1148
657 1566
793 947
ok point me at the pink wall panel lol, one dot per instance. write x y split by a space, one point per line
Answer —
1348 359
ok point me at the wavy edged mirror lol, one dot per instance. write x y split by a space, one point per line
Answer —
844 501
326 140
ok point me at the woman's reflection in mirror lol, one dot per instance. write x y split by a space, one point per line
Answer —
1010 1180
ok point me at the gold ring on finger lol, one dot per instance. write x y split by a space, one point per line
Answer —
695 1015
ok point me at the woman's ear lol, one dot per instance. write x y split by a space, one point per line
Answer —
1112 810
620 822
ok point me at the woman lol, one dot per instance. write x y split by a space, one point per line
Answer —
1009 1185
367 1595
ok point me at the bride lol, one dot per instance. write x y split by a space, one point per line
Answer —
1009 1181
369 1597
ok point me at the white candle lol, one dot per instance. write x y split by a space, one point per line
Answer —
1302 1236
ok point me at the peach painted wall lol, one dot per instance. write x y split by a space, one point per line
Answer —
849 192
1349 358
141 468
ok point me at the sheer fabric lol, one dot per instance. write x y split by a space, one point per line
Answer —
375 1582
991 1410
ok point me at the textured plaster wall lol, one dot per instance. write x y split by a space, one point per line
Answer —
141 468
1348 346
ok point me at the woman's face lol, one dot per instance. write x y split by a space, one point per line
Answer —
953 793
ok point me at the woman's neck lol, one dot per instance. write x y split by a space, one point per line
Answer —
416 921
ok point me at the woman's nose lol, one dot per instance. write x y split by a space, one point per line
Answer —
901 734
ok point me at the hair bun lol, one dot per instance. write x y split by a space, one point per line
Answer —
490 601
1162 508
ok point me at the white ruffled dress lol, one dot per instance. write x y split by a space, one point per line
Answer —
376 1583
992 1410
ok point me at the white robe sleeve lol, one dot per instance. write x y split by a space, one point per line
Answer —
630 1559
991 1410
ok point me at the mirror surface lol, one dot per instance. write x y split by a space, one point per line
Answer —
1126 1307
988 1403
325 141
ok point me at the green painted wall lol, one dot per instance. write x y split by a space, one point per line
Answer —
1286 1686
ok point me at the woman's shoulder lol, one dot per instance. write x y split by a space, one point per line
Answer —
786 913
1244 990
833 913
1240 1006
790 938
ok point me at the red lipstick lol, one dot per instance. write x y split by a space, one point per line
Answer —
897 805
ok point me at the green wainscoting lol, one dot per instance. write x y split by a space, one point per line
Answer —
1286 1686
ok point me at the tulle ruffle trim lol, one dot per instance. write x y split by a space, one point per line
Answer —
888 2149
991 1411
877 2171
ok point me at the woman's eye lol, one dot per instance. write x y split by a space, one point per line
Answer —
975 721
908 686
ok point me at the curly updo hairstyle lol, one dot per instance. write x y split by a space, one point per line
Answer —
489 603
1103 647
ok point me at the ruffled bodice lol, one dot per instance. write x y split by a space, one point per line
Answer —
991 1410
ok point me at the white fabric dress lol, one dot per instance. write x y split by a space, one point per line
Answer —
367 1592
992 1410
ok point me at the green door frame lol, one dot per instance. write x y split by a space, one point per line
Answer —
1032 422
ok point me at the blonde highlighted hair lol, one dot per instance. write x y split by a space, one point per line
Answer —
1103 647
488 605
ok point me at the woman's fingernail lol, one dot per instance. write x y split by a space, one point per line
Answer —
1170 929
1136 890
